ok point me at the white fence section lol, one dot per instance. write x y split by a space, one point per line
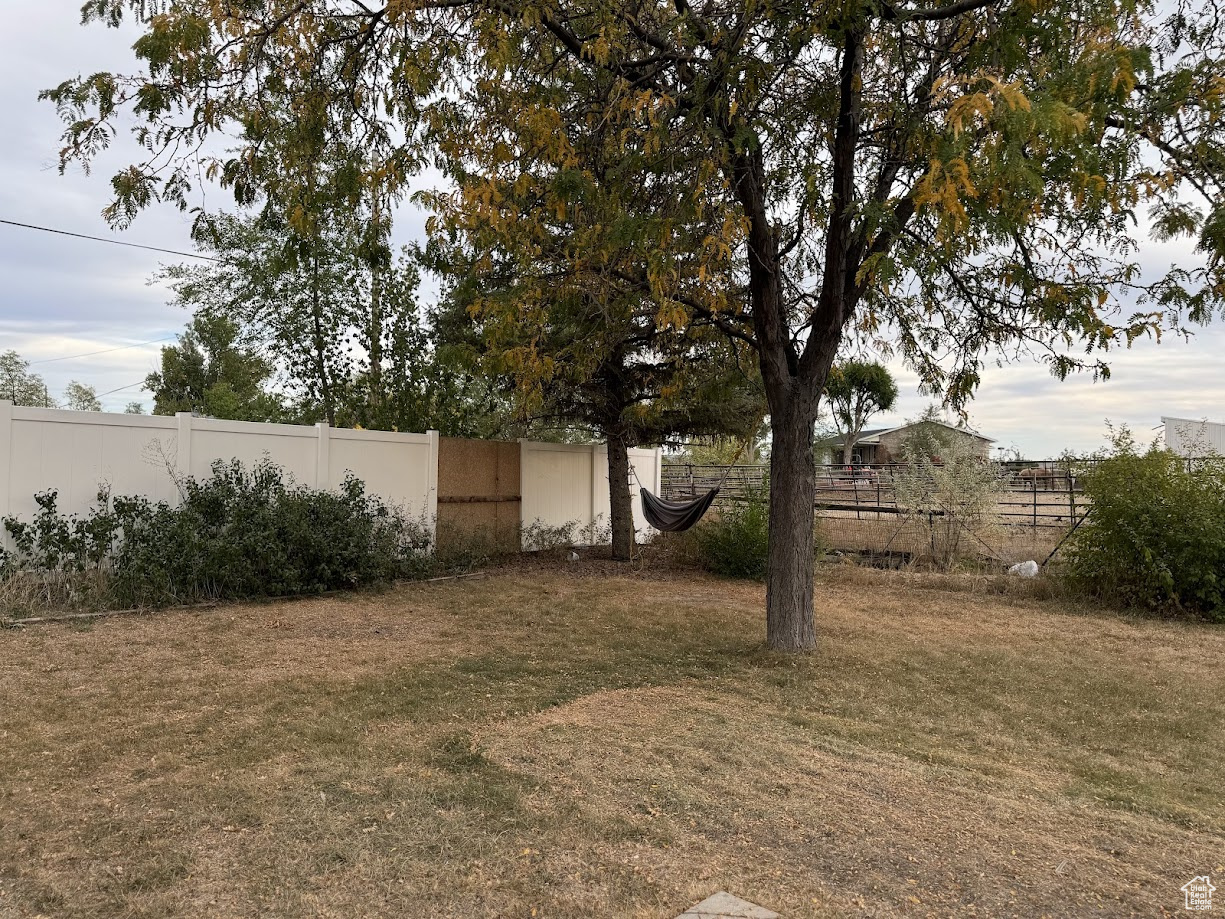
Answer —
1187 437
567 484
74 452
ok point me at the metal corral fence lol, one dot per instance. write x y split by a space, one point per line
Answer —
1036 493
859 510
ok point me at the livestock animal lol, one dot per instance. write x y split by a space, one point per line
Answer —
1036 477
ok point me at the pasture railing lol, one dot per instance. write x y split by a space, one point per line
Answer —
1034 493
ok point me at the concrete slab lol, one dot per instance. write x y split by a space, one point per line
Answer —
723 905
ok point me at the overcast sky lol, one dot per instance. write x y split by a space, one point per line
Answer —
61 297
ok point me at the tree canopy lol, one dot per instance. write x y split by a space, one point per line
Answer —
855 391
19 385
560 301
336 337
954 182
209 371
81 397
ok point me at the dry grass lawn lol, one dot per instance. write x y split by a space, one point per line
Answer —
558 743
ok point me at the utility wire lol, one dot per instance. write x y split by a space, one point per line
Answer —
73 357
114 242
121 388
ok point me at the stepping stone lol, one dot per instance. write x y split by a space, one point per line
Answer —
724 906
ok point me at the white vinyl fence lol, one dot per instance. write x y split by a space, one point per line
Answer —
567 484
73 453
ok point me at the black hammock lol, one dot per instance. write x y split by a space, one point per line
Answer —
678 516
675 516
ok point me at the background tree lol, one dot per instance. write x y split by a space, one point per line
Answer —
953 181
289 299
342 334
134 408
19 385
855 391
552 274
209 372
404 379
80 397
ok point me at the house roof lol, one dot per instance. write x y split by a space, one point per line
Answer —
874 435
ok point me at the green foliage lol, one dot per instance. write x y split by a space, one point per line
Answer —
1155 536
733 538
80 397
855 391
238 534
288 300
20 386
336 325
210 372
53 542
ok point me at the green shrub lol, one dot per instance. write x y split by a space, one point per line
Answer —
1155 537
237 534
733 539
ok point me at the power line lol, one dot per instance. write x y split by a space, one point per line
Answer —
120 389
73 357
113 242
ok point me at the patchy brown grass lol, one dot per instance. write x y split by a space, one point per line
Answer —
576 743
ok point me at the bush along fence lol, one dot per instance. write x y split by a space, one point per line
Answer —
238 533
103 510
454 487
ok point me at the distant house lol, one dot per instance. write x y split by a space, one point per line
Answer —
884 445
1188 437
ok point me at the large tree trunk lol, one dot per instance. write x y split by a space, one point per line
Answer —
849 445
790 624
621 509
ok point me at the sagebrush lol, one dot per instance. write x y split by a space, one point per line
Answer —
947 487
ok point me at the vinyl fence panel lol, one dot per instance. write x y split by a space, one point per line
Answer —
566 485
74 453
